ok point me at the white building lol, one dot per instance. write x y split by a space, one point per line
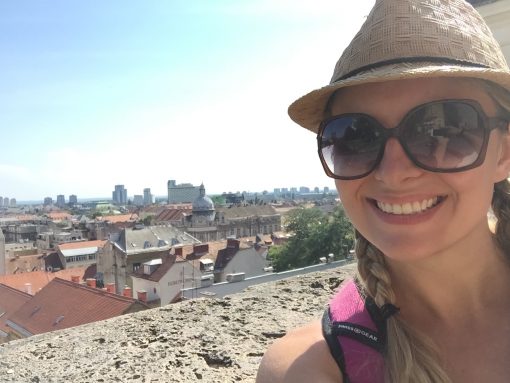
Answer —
163 279
182 193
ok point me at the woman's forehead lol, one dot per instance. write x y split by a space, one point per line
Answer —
403 95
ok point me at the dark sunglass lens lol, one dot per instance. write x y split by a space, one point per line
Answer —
350 145
444 135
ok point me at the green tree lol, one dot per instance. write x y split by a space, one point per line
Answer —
147 221
315 235
218 200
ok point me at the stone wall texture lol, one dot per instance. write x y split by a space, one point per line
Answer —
203 340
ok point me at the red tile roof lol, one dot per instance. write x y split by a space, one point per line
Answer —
81 244
39 279
63 304
10 301
118 218
58 215
172 215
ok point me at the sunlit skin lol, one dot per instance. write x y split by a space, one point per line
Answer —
460 219
450 279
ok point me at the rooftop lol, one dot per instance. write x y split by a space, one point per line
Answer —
223 340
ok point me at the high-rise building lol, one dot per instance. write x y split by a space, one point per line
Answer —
147 197
138 200
48 201
6 201
12 202
326 189
73 199
61 200
1 201
182 193
119 195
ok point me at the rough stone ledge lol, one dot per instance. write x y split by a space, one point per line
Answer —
203 340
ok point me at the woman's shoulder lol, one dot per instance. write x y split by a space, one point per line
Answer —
300 356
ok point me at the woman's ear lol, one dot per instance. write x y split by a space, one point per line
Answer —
503 166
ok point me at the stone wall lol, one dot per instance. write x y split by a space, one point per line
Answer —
203 340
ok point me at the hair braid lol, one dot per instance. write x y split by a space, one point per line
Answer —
410 357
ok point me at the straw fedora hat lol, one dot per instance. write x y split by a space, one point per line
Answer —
403 39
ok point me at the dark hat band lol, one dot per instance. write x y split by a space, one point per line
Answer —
402 60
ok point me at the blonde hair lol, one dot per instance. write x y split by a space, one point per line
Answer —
411 356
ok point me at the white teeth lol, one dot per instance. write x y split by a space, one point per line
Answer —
408 207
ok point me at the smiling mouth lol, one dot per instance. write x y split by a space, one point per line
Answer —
409 208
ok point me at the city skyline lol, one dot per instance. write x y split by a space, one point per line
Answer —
99 94
73 198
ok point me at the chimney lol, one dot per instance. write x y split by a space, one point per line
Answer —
201 248
127 292
28 288
233 243
142 295
75 278
110 287
91 282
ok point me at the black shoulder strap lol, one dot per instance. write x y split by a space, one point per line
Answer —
334 345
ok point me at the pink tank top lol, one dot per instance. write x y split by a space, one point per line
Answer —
355 330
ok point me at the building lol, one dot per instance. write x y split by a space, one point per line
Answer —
209 223
77 254
62 304
245 261
48 201
160 281
1 201
61 200
124 255
119 195
12 300
138 200
182 192
147 197
2 253
73 200
12 202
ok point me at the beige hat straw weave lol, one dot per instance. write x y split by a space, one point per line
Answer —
410 39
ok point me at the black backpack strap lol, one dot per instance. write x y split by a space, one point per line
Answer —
335 348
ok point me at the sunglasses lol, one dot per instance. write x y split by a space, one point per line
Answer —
442 136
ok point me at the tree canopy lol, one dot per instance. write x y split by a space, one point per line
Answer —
316 235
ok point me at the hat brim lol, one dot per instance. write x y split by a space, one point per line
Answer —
308 111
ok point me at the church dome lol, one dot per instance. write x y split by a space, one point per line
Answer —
202 202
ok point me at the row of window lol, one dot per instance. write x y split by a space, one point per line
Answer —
81 258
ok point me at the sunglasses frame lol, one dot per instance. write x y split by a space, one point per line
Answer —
488 124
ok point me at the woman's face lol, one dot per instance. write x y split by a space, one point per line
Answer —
453 206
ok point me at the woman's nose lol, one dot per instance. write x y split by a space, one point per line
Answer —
395 166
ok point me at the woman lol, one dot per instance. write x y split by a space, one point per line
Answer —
414 128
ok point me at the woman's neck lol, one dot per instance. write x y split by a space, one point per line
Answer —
468 277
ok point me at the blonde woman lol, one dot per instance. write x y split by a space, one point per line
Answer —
414 127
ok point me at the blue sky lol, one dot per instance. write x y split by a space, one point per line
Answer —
98 93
